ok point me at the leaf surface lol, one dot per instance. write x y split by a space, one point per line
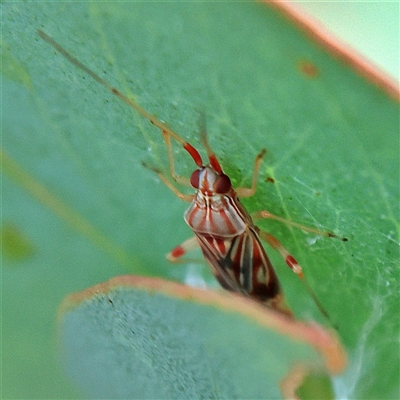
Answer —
79 207
135 337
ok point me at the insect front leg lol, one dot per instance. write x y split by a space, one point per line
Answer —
248 192
292 264
163 178
175 254
177 178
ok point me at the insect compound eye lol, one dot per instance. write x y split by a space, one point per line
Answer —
194 179
222 184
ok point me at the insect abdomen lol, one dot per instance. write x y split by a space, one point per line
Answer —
240 264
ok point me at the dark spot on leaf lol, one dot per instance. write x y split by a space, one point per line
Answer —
15 245
308 69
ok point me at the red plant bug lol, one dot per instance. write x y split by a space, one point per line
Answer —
224 230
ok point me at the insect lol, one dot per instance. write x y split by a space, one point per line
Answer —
226 233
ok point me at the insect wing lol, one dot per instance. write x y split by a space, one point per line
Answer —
211 248
241 264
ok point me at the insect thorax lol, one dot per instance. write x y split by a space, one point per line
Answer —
216 215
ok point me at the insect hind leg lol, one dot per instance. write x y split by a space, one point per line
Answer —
293 265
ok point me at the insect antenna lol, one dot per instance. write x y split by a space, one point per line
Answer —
211 155
131 103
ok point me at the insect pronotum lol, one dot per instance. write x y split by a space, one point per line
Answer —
224 230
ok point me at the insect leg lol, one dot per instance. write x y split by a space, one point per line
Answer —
267 214
293 265
277 245
175 254
182 196
248 192
176 178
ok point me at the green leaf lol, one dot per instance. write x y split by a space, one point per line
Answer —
81 208
135 337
